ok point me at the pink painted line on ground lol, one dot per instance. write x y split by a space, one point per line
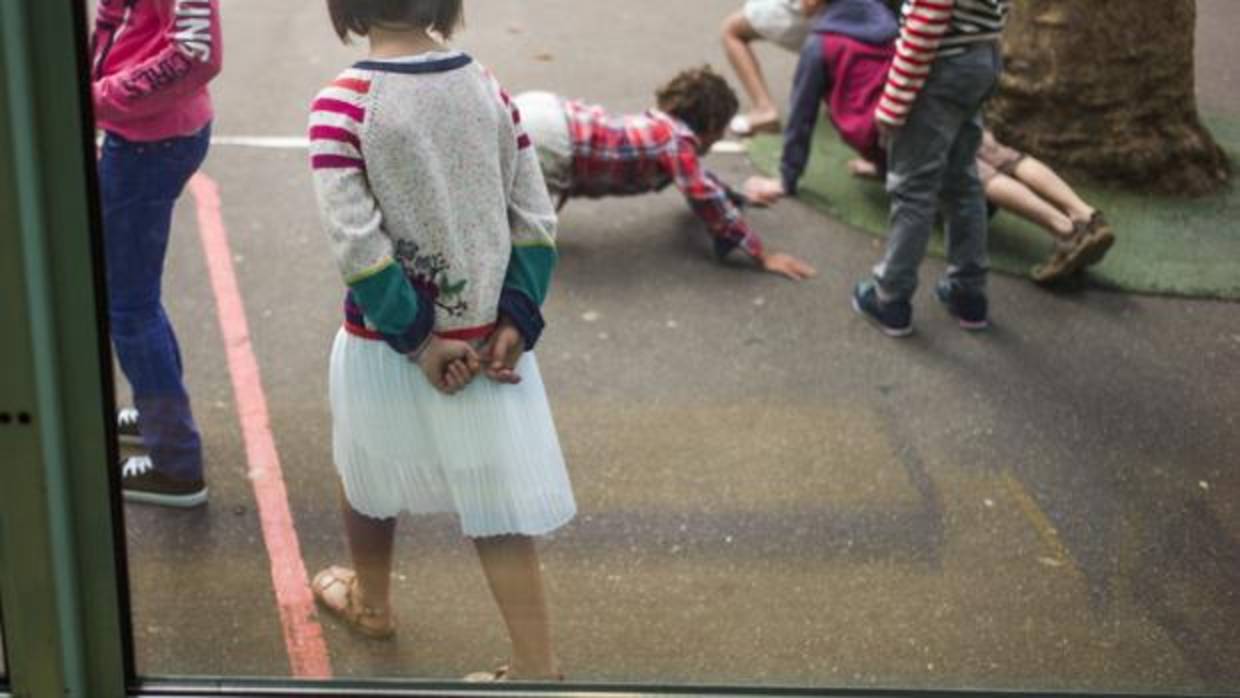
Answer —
303 636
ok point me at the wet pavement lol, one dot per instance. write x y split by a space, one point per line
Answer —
770 492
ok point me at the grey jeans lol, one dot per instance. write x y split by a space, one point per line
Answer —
931 161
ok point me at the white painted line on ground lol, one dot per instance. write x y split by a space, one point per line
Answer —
302 143
270 142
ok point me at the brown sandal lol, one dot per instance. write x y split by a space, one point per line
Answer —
1101 238
366 620
1086 246
499 675
1067 258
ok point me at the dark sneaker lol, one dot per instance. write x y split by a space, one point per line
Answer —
970 308
127 431
894 319
141 482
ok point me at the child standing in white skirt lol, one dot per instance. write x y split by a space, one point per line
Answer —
444 232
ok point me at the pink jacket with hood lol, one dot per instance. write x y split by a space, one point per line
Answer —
152 60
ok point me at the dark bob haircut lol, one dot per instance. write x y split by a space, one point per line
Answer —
358 16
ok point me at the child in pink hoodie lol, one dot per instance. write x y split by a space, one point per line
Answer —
152 60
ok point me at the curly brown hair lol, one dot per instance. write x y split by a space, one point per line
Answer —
701 98
358 16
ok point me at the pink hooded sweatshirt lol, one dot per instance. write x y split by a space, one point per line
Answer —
152 60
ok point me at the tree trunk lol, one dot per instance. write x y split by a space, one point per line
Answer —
1107 88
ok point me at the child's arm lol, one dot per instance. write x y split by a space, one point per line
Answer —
739 200
364 252
532 222
194 55
808 87
916 50
710 201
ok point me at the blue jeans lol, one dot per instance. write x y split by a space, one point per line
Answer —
931 162
139 184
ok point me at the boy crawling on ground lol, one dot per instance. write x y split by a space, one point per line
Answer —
585 151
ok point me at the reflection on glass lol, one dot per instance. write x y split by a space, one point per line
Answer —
767 492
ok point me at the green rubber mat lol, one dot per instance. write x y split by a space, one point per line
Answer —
1167 246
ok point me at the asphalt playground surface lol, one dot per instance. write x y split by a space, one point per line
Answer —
770 492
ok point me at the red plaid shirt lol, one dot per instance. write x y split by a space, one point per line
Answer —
635 154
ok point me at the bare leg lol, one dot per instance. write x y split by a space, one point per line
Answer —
370 545
737 34
511 566
862 168
1011 195
1043 180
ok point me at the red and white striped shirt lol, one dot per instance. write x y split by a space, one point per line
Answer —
933 29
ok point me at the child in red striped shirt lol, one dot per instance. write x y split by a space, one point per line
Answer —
946 64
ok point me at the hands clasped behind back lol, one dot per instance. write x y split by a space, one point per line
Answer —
450 364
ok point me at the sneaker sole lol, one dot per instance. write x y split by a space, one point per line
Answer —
176 501
889 331
969 325
973 326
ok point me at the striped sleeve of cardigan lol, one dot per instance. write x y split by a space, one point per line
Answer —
925 24
532 222
353 221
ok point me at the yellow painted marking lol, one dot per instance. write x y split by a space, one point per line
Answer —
1041 522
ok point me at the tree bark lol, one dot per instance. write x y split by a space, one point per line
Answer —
1107 88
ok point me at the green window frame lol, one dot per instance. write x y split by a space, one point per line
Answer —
60 582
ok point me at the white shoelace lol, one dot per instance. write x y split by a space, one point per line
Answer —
127 416
137 465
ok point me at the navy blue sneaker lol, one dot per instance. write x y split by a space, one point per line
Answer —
970 308
894 319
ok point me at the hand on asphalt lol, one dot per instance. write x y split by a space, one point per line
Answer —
789 266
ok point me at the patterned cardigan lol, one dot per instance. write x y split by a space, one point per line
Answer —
432 198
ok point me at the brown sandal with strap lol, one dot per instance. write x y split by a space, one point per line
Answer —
362 619
1101 238
500 674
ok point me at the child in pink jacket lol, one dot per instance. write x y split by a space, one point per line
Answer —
152 60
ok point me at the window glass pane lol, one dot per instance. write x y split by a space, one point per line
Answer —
767 491
4 662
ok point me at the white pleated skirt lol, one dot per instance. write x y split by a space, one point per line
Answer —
489 454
